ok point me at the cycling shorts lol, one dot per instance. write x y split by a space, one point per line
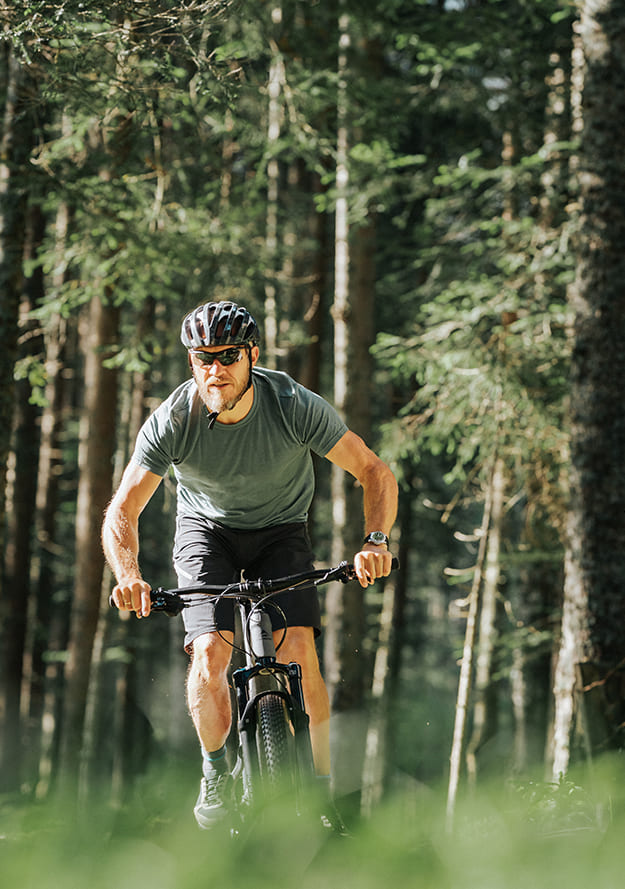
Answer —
207 552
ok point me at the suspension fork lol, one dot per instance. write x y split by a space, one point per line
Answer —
261 676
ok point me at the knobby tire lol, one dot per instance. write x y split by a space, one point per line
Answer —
275 746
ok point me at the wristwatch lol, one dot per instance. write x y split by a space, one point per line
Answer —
377 538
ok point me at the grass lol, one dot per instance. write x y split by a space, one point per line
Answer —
524 836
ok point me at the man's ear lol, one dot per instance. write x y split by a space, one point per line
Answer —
254 354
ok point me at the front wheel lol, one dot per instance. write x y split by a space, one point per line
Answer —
275 746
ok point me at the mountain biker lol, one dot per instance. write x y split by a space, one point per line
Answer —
239 438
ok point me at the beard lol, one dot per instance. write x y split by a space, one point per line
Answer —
218 399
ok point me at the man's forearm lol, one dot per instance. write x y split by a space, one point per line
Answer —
120 540
380 493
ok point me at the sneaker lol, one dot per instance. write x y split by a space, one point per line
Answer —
331 821
212 803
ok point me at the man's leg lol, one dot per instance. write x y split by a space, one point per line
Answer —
299 646
208 695
208 698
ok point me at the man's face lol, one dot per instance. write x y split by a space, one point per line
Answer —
221 386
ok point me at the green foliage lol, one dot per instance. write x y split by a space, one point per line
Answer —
482 362
143 191
557 806
496 841
31 368
474 334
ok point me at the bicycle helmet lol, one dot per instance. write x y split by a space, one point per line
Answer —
219 324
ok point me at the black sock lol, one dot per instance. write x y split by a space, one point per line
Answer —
214 761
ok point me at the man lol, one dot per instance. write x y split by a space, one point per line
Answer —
239 439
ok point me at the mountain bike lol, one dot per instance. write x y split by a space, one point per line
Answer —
274 754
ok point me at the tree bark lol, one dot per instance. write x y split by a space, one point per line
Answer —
353 336
375 759
96 453
591 658
22 502
315 303
51 619
484 710
112 725
15 144
466 667
274 126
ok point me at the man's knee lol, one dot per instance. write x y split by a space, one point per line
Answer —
299 645
210 655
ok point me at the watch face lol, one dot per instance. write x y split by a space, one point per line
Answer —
377 537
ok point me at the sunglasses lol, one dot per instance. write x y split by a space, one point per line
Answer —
225 358
228 356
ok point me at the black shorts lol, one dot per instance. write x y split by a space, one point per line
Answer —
206 552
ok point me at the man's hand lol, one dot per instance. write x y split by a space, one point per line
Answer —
132 594
372 562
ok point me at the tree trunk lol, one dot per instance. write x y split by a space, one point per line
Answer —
381 736
96 452
573 624
112 724
314 313
274 124
466 667
51 617
591 656
335 632
353 336
22 503
376 746
15 145
484 710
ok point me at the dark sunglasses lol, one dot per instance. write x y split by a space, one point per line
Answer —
228 356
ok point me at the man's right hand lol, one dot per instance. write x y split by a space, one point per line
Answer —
132 594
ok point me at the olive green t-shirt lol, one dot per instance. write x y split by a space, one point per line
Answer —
251 474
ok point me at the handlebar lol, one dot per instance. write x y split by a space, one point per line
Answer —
173 601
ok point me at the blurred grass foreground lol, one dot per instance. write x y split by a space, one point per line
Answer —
525 836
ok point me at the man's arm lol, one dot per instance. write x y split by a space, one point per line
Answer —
379 489
120 538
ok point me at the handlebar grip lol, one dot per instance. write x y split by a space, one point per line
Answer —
395 564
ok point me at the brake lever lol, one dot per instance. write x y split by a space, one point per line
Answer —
171 603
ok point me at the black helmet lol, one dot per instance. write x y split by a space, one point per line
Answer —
219 324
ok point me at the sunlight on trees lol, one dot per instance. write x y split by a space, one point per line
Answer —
422 202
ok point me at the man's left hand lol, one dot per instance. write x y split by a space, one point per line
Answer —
372 562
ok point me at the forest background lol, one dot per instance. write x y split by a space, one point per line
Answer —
423 205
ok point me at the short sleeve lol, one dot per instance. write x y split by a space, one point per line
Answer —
153 447
318 424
